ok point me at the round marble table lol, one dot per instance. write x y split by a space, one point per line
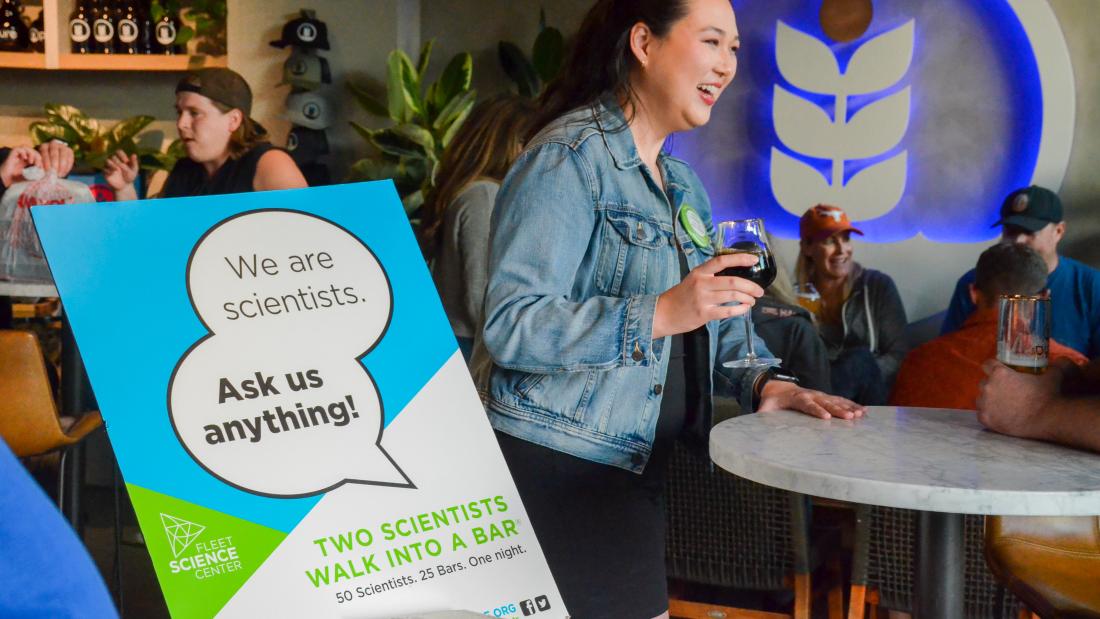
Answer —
940 462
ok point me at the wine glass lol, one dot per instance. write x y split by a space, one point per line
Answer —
747 236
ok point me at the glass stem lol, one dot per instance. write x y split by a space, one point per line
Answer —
748 336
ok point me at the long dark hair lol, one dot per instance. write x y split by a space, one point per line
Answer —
600 59
484 147
245 137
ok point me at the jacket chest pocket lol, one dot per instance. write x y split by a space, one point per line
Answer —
630 257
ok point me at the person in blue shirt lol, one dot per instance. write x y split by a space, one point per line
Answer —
1033 216
44 569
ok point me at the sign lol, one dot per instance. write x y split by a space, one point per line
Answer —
920 126
298 432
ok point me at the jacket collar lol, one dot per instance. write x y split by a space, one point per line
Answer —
619 141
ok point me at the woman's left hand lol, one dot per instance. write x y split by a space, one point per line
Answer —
778 395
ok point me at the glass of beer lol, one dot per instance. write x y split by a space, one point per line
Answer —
747 236
1023 332
808 297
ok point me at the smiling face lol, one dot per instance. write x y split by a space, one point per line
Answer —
679 77
204 129
831 257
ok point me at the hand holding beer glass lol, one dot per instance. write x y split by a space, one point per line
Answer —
1023 332
747 236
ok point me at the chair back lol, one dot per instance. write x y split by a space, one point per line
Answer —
1051 563
727 531
28 413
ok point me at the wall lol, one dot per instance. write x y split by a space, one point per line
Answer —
477 26
1081 189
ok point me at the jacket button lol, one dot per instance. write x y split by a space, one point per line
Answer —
638 354
658 388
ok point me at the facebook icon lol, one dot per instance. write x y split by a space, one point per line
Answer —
528 608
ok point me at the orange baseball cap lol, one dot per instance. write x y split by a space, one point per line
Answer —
823 221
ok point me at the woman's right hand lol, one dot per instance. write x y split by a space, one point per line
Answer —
702 296
120 172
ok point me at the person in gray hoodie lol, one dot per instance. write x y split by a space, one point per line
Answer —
862 319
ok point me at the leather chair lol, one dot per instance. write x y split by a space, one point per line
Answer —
1051 563
29 419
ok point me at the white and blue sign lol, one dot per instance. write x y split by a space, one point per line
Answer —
289 408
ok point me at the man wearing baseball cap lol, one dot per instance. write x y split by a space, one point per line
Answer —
227 151
1033 216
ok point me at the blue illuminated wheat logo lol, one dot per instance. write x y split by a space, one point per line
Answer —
805 128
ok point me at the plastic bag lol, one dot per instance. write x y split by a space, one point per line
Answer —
21 257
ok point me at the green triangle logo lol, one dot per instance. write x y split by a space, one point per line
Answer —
202 557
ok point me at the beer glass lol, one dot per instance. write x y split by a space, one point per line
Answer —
747 236
808 297
1023 332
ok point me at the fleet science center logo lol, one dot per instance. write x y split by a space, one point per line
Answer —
203 559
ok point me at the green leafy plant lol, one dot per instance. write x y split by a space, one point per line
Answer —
208 23
425 119
208 17
547 57
92 144
159 8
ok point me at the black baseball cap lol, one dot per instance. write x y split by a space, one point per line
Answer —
1031 208
305 32
223 86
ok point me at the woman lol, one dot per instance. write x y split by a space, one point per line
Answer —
862 318
227 151
604 314
456 233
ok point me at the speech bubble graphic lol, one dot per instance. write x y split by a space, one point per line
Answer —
274 400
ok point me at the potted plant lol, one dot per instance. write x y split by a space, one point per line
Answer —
547 57
424 120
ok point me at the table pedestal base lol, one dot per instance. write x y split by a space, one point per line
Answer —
940 559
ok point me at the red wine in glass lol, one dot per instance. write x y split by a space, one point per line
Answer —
762 273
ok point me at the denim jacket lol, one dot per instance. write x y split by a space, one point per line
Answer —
583 241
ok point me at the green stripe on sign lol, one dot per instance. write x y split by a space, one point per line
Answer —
202 557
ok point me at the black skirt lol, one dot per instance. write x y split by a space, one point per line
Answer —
602 528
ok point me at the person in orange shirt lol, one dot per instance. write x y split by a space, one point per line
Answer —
947 372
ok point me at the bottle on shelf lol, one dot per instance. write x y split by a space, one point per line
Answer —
14 34
38 33
127 26
167 30
80 29
147 28
103 26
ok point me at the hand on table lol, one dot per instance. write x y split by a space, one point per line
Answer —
57 156
20 158
779 395
703 294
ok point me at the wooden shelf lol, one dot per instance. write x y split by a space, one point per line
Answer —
57 56
114 62
22 60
